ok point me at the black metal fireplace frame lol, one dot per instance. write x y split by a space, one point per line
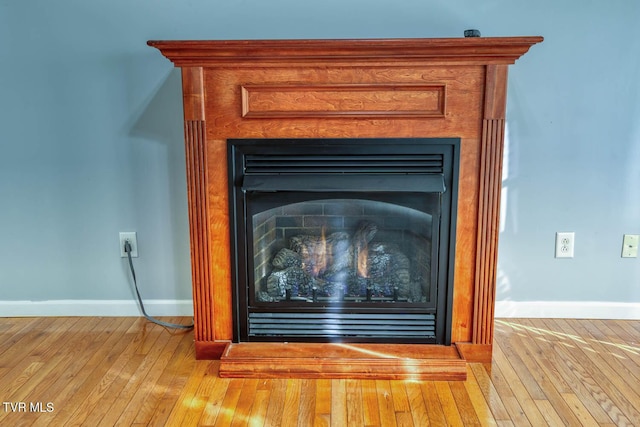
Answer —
334 167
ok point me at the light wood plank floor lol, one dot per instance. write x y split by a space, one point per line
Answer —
128 372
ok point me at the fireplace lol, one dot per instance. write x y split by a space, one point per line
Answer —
337 99
343 240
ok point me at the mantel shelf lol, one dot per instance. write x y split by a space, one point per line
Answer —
396 52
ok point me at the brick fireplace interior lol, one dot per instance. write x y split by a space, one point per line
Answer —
318 93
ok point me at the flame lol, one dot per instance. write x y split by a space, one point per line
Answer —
363 261
319 256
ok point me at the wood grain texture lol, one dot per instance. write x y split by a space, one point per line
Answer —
492 148
495 100
126 371
194 131
218 237
323 360
343 101
265 53
488 228
346 89
464 103
465 100
193 93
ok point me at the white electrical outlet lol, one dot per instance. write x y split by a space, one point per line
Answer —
630 245
133 241
564 244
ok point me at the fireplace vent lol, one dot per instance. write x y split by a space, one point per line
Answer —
345 164
419 326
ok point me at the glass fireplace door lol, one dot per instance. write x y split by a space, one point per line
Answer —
342 252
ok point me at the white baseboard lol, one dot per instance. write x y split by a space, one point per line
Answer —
98 308
568 310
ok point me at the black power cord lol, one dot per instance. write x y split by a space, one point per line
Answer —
127 249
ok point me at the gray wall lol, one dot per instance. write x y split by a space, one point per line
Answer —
91 135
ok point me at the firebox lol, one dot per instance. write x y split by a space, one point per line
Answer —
343 240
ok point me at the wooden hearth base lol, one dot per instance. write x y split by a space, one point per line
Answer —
325 360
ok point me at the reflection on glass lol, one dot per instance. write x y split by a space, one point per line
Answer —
342 250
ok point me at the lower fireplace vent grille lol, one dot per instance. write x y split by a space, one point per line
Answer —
343 325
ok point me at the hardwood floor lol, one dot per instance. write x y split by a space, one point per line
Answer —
126 371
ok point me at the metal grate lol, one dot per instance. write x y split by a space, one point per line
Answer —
336 325
314 164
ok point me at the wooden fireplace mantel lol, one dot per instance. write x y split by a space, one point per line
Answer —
452 87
